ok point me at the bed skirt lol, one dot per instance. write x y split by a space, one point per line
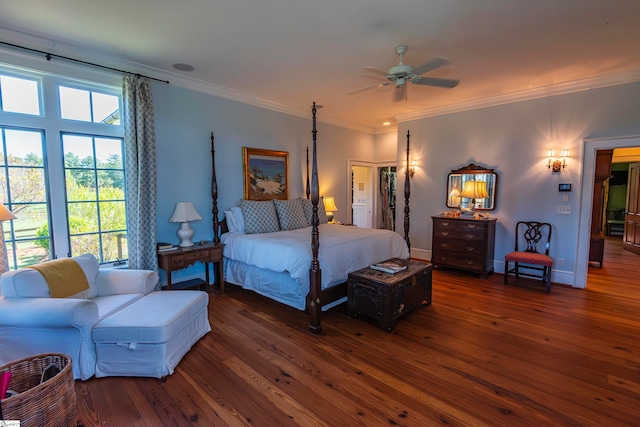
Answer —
278 286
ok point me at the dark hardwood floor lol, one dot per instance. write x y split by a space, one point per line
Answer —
482 354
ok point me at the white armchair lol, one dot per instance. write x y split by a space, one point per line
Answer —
31 322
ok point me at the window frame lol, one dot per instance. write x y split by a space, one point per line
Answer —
51 124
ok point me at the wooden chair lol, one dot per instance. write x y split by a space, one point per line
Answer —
532 250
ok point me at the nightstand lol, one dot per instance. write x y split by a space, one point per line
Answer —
179 258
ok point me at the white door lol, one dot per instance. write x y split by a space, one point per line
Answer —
362 196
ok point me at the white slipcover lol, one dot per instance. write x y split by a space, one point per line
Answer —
31 322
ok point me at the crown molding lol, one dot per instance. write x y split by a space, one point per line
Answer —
65 49
526 95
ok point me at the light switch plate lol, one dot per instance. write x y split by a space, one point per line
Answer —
564 210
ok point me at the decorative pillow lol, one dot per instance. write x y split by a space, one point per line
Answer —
259 216
237 215
308 211
231 221
290 214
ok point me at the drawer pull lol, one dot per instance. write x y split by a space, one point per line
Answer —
445 223
444 245
471 225
470 248
444 233
470 262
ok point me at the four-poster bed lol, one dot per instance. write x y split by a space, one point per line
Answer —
289 265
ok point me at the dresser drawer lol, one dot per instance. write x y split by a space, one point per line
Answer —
215 254
202 256
444 224
459 233
177 261
471 262
473 247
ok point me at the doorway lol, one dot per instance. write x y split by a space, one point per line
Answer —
591 146
362 194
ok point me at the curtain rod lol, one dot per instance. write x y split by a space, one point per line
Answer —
48 56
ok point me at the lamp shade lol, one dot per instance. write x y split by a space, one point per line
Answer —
474 190
5 214
184 212
329 204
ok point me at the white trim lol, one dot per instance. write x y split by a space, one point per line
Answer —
590 147
527 94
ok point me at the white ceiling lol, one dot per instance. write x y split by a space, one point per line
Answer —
287 53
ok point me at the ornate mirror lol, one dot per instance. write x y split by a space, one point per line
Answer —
472 186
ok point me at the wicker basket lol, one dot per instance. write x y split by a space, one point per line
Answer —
51 403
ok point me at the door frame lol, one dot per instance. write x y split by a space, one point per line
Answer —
374 184
591 145
374 200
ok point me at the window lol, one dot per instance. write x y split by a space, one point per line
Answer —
61 168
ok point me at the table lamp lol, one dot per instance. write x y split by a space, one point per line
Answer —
5 215
183 213
474 190
330 207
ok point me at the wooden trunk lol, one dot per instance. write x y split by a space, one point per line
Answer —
386 297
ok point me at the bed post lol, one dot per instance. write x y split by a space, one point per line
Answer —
308 191
214 193
407 193
315 274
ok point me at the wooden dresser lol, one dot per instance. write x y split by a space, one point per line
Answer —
464 243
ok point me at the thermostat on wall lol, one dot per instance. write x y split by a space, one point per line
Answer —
564 187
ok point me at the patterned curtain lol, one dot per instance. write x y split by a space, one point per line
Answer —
140 170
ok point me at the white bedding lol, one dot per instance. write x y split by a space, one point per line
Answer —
343 249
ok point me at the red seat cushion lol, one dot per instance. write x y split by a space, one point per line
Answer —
529 258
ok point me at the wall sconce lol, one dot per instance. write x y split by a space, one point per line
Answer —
412 168
555 164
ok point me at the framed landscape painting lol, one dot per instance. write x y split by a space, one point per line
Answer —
266 174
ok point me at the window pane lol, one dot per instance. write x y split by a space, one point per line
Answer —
114 246
86 244
81 185
105 108
31 233
83 217
111 185
75 104
78 151
27 185
19 95
109 153
24 148
28 253
112 216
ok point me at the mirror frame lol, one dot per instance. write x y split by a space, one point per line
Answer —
473 170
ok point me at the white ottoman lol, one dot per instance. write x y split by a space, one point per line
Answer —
149 337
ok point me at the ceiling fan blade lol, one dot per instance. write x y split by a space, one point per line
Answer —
431 64
376 70
435 81
366 88
400 93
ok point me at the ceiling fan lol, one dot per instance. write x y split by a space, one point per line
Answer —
400 74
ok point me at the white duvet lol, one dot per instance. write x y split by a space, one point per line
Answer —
343 249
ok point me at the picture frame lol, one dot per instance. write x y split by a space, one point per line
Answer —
266 174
